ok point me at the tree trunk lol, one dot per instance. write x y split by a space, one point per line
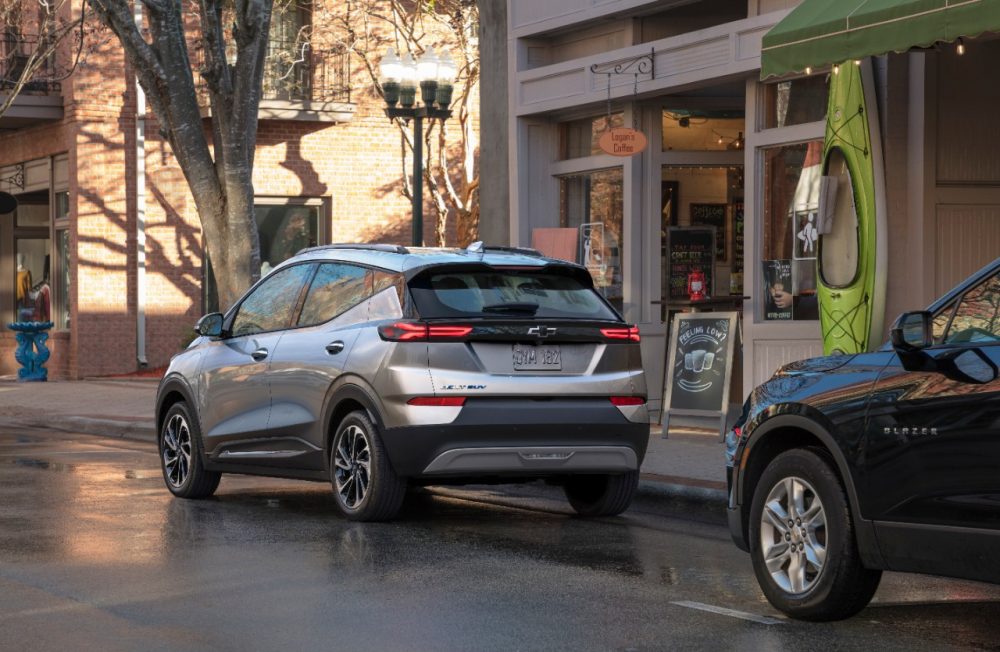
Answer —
221 185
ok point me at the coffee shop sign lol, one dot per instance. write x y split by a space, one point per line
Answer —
622 141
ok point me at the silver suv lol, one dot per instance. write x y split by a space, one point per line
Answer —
377 366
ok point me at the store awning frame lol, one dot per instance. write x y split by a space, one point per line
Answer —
820 33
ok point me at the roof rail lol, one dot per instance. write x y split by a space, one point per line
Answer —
525 251
388 248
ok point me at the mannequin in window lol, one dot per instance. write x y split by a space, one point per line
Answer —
22 289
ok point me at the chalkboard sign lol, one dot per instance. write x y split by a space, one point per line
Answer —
689 249
713 215
699 365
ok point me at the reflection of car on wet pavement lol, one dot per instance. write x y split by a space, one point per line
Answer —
845 466
375 366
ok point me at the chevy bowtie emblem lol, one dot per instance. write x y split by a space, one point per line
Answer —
541 331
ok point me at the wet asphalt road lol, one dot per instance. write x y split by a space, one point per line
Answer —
96 555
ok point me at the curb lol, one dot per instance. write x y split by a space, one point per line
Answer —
144 431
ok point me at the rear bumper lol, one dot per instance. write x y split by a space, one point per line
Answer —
521 437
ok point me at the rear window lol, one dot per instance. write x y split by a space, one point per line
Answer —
506 294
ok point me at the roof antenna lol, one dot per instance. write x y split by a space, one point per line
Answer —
476 247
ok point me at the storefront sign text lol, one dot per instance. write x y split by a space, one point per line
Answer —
622 141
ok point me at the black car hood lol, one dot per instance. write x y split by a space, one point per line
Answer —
814 365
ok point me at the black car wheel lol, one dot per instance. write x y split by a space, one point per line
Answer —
364 484
601 495
802 541
181 455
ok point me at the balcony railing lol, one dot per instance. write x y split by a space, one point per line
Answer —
16 51
296 72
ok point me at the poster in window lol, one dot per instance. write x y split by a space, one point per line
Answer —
713 215
736 276
778 289
806 235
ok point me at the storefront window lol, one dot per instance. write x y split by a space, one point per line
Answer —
703 131
578 138
795 101
32 293
591 203
790 230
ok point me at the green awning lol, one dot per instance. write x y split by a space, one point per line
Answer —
825 32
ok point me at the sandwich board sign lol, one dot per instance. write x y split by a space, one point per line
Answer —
699 366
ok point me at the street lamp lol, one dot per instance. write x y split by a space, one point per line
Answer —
399 79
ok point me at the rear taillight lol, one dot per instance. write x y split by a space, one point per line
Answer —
409 331
630 333
623 401
437 401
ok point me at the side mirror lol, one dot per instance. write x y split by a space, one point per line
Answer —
210 325
912 331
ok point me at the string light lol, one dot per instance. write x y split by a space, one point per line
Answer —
809 70
836 69
960 48
857 62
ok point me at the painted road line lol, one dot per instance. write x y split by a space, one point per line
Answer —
732 613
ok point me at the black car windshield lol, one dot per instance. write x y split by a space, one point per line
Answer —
507 294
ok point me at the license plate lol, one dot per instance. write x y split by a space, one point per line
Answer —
546 357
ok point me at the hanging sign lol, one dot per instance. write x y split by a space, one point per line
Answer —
622 141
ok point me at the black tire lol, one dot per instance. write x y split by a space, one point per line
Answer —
840 586
184 474
601 495
368 468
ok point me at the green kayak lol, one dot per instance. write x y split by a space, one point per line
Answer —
851 265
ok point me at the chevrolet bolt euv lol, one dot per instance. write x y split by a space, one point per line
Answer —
375 367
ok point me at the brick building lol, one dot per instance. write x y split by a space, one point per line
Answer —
328 168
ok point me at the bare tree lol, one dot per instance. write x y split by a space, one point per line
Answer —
220 176
368 28
33 34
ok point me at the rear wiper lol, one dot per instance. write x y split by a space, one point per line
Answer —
527 308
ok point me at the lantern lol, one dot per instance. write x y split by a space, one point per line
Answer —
696 285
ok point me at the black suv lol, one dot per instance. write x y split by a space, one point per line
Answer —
844 466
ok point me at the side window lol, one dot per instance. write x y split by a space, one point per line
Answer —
270 306
337 288
977 318
385 280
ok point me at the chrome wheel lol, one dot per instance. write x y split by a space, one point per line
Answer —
352 459
176 450
793 535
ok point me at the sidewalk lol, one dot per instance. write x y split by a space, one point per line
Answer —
690 461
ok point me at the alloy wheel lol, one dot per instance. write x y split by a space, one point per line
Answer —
793 535
177 450
352 458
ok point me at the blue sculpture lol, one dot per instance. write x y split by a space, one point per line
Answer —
31 351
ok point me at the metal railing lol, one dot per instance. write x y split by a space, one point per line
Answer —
16 50
296 72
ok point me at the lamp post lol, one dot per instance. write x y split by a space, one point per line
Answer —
400 78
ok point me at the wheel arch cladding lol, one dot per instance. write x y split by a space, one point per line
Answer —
347 399
787 433
172 393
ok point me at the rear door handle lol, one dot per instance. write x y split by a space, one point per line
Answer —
333 348
259 354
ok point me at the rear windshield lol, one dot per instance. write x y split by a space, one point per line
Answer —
507 294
